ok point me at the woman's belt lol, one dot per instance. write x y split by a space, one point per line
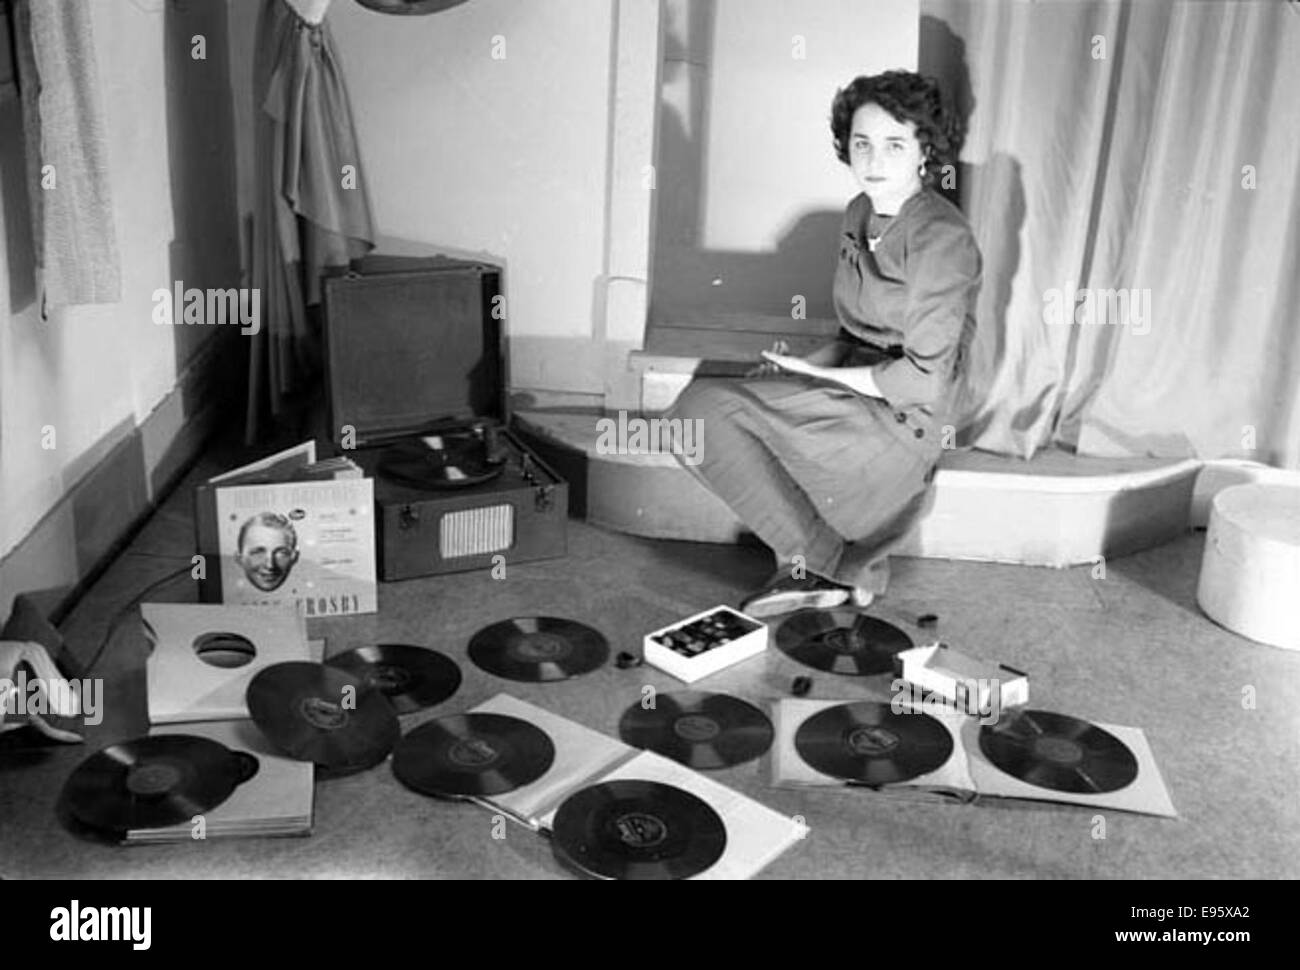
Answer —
892 352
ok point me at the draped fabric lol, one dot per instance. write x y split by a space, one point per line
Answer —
75 237
1139 153
311 208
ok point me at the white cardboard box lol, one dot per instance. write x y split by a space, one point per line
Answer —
748 640
963 681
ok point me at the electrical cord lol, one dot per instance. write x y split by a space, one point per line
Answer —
116 621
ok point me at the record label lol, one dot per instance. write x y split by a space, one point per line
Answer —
842 641
474 754
321 714
868 743
538 648
1058 752
701 730
632 829
412 678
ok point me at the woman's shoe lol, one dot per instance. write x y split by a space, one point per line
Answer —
861 598
784 594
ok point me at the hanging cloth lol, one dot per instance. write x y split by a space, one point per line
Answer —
311 208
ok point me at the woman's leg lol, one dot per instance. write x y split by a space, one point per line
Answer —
739 465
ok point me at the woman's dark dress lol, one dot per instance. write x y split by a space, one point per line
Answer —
811 466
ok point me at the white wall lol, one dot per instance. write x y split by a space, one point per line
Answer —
93 373
501 157
750 189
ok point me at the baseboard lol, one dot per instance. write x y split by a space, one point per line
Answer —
133 470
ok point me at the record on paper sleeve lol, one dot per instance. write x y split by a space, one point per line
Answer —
1059 752
633 829
867 743
154 782
474 754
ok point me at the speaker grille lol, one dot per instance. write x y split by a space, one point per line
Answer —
476 532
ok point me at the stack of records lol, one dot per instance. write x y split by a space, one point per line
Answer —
276 797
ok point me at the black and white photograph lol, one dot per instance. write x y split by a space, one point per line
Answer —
570 440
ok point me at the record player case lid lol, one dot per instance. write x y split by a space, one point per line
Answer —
412 344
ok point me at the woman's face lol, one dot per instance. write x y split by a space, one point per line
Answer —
885 157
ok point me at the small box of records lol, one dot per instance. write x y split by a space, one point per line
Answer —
416 386
289 530
705 643
973 686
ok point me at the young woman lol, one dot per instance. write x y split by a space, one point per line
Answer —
829 461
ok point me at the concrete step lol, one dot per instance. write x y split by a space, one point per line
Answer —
1057 509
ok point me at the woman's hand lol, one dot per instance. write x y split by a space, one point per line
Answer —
768 368
795 365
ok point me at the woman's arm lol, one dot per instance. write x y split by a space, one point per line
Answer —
942 271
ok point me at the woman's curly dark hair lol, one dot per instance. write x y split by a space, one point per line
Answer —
907 97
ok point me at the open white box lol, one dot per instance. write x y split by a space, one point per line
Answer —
751 642
968 684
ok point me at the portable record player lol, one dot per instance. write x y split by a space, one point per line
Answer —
417 394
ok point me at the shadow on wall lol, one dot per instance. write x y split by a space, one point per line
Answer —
691 284
992 195
201 146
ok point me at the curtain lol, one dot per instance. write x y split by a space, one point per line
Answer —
1132 172
75 238
311 208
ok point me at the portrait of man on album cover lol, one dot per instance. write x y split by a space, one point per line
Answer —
267 550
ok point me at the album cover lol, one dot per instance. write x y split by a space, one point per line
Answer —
755 834
1137 785
581 755
204 656
307 544
1037 755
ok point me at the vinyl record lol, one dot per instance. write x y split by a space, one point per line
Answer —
472 754
631 829
867 743
842 641
1058 752
701 730
412 678
154 782
438 462
538 648
321 714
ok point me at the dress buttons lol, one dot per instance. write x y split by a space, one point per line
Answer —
919 432
900 417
